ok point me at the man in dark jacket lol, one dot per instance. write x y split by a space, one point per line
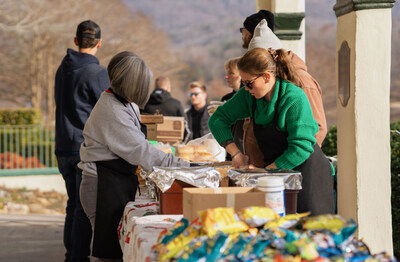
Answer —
197 115
161 100
79 82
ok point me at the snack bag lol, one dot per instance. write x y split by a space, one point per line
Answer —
206 249
236 247
257 216
194 251
167 235
304 247
177 244
333 223
286 221
221 219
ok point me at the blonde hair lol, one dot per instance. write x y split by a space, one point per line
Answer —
130 77
258 60
195 84
231 64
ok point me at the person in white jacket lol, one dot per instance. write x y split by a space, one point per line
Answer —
114 145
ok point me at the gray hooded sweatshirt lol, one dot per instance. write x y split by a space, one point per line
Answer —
113 131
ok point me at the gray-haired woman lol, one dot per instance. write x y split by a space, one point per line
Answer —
114 145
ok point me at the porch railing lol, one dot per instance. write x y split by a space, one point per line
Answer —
27 150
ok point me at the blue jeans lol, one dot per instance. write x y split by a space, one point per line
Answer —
77 228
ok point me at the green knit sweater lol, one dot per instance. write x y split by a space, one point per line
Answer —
295 118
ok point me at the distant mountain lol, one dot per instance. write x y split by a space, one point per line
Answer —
205 33
196 22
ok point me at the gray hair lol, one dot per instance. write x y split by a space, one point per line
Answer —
130 77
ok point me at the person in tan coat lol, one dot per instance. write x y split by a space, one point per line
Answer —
257 33
312 89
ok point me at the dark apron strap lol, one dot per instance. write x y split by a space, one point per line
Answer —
117 184
317 193
272 142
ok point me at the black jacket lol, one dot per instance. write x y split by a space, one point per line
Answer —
228 96
78 84
202 117
162 101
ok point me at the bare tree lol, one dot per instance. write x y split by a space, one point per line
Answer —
36 33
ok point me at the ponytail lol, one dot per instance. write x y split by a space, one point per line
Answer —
285 69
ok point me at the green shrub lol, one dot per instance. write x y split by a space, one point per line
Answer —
329 147
395 170
20 116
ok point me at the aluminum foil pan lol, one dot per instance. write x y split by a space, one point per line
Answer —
199 176
249 177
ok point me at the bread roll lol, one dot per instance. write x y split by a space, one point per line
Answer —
184 150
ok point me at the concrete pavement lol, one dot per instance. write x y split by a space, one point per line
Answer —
31 238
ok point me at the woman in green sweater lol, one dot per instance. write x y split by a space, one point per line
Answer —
283 125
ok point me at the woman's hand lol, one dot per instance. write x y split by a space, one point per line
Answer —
272 166
240 161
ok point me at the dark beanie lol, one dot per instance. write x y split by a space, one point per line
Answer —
252 21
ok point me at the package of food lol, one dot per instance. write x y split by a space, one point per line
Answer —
334 223
286 221
193 153
167 235
256 216
221 219
177 244
202 149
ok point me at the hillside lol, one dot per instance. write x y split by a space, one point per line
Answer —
205 33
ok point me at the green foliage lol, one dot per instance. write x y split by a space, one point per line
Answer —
329 147
21 116
395 170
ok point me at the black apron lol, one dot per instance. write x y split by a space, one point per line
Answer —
316 195
116 186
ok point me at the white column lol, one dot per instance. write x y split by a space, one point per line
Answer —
363 124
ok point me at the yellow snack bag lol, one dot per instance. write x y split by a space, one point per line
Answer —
257 216
221 219
286 221
334 223
178 243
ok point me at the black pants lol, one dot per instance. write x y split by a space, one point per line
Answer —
77 228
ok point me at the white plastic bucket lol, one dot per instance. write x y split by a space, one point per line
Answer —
274 189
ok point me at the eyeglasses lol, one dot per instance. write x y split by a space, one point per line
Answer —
193 94
241 29
249 84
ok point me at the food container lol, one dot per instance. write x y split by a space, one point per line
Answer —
170 182
249 177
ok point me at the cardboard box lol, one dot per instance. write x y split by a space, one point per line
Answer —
171 200
171 130
152 119
197 199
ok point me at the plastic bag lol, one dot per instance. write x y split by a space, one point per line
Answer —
211 145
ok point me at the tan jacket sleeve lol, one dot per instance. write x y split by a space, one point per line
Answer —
313 91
